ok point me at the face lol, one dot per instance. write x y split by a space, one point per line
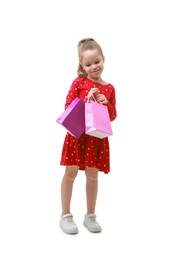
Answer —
93 63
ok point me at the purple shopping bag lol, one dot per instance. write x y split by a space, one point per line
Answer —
97 121
73 118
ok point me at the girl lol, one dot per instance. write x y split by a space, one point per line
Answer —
87 153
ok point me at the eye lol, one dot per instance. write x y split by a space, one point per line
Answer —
88 65
97 62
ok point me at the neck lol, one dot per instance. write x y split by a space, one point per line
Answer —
99 80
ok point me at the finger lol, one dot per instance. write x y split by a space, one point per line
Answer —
100 97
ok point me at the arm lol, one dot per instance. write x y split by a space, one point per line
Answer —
72 93
111 103
112 106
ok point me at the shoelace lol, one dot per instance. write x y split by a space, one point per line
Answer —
69 219
93 219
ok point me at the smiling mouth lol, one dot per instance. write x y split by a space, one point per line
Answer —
96 70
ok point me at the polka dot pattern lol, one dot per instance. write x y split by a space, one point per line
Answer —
88 151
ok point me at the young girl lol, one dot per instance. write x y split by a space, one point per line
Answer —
87 153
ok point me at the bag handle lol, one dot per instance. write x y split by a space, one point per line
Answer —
90 96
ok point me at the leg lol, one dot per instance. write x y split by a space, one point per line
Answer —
91 191
91 188
67 187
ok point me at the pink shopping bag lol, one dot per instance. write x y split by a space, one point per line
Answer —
73 118
97 121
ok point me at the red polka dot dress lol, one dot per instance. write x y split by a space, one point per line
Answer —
88 151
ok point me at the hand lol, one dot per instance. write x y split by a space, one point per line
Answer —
94 91
101 99
92 94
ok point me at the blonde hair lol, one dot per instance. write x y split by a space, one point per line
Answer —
83 45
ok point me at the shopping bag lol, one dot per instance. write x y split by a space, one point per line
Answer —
73 118
97 121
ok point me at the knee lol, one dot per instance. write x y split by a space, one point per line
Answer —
71 173
91 175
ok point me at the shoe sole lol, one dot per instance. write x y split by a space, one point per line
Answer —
92 230
69 232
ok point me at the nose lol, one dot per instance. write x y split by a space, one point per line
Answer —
94 66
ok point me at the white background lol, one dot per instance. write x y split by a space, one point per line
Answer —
38 61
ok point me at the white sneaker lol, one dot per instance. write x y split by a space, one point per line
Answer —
91 224
67 224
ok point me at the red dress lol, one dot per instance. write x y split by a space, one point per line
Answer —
88 151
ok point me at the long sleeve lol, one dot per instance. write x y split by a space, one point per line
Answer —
72 93
112 106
